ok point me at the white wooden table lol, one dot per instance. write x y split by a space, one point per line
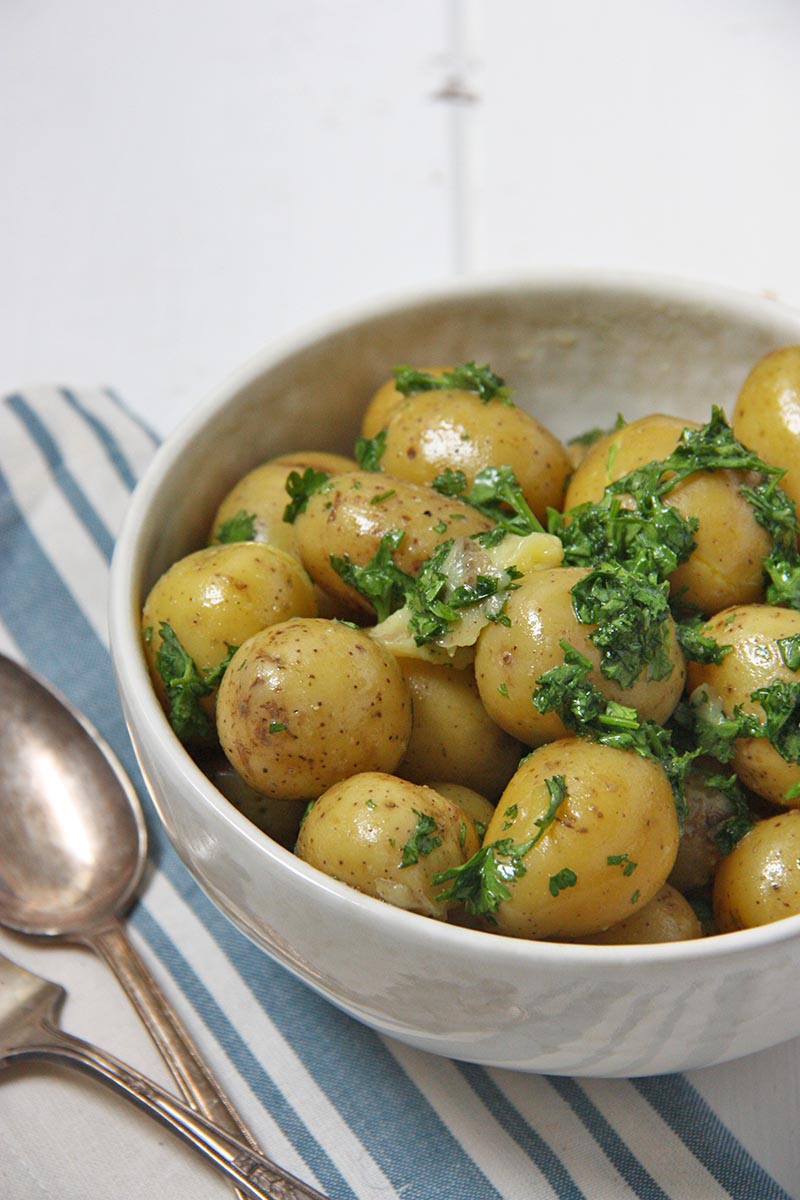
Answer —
184 181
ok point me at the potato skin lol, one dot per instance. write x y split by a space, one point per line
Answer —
722 570
759 881
357 508
754 661
477 807
456 429
360 830
619 806
262 492
698 853
510 658
454 737
386 401
668 917
766 416
309 702
220 596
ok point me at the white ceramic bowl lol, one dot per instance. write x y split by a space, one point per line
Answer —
579 350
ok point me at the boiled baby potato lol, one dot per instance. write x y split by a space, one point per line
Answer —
308 702
350 515
260 498
219 596
668 917
707 809
766 416
755 660
759 881
385 403
442 429
454 737
510 658
722 570
388 838
477 807
587 834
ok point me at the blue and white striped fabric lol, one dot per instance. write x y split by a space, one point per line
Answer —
357 1115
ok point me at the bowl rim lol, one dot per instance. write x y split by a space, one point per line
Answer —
133 679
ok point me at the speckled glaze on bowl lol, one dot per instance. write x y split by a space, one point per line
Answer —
577 350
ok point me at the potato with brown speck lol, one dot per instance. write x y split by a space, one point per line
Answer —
388 838
759 881
753 632
510 658
308 702
604 853
668 917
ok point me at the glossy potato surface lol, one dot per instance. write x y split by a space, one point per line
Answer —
668 917
261 493
454 737
309 702
766 415
352 513
389 838
759 881
754 661
437 430
219 596
616 833
510 658
722 570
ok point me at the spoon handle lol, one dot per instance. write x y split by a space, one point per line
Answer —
194 1079
251 1171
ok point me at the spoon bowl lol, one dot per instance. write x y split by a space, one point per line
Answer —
73 847
73 843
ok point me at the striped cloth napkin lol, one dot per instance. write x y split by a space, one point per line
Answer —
354 1113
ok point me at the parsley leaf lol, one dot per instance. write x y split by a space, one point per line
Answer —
631 613
496 493
380 581
239 528
480 884
300 489
368 452
186 685
471 377
566 878
781 704
423 840
700 647
789 650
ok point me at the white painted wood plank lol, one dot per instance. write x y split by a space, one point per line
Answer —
656 137
183 182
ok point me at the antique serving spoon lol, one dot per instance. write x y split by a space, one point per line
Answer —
72 851
29 1031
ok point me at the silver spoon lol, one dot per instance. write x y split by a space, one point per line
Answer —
29 1031
72 851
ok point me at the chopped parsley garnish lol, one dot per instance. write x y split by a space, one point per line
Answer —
566 878
793 792
239 528
379 499
698 646
510 814
300 489
277 726
380 581
423 840
557 791
781 704
496 493
731 829
789 650
480 884
186 685
624 861
631 613
471 377
368 452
